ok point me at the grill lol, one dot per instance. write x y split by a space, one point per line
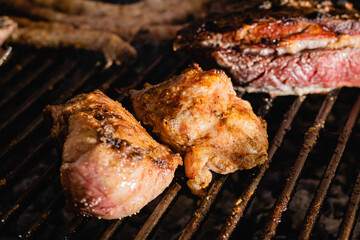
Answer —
314 146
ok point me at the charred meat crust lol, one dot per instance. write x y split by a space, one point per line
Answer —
238 24
104 121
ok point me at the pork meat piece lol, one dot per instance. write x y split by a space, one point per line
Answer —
111 166
198 114
282 46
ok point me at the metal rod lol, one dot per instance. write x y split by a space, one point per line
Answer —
20 168
205 205
23 84
241 203
26 198
39 120
54 206
329 174
160 209
74 225
203 209
110 230
309 142
140 78
62 71
348 221
16 68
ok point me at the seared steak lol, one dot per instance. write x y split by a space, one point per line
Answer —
111 166
282 47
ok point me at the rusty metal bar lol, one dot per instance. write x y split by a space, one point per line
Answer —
73 226
314 209
203 209
241 203
6 181
311 135
110 230
352 208
140 78
27 197
23 84
215 188
63 70
39 120
54 206
23 62
160 209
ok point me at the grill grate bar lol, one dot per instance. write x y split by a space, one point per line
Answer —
17 140
54 206
63 70
211 195
39 120
110 230
321 192
26 198
160 209
350 215
203 209
20 168
241 203
124 91
76 223
15 68
23 84
309 141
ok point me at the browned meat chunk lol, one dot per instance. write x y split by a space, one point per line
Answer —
198 113
111 166
282 47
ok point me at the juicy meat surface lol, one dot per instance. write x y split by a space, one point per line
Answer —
198 114
314 71
272 33
111 166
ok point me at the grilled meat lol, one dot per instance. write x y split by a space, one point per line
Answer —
198 113
44 34
123 20
7 26
157 11
282 47
111 166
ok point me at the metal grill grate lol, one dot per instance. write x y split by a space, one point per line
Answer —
32 204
